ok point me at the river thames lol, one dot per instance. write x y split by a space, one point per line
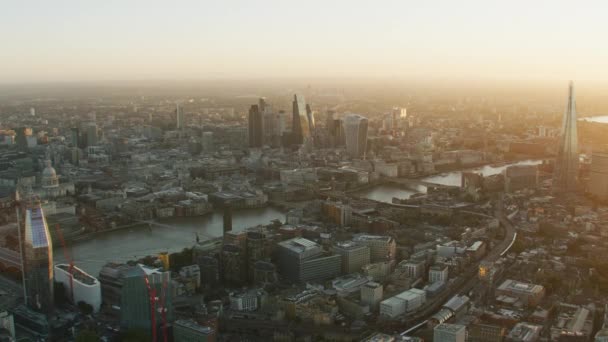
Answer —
129 244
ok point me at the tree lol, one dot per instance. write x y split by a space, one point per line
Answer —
85 308
87 336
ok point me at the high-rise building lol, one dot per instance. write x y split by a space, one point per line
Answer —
74 136
301 126
449 333
21 138
179 117
92 138
37 259
137 301
258 249
79 285
355 131
233 265
566 164
598 177
256 126
207 141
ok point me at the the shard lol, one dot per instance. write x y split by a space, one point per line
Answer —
566 164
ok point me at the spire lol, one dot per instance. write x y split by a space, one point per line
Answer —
566 164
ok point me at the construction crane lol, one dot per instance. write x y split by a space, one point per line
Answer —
67 257
162 309
152 294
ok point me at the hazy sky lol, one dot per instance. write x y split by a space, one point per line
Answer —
122 40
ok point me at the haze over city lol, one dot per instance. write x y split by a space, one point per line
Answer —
302 171
48 41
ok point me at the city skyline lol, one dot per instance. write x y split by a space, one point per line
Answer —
474 40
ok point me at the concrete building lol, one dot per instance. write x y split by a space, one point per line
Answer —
519 177
244 301
190 331
524 332
302 260
354 256
337 213
413 269
598 176
371 294
405 302
381 247
301 125
180 121
438 273
485 333
79 285
449 333
528 294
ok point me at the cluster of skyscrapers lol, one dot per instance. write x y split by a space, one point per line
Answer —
267 127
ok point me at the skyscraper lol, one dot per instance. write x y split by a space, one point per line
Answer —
566 164
355 130
256 126
92 138
179 114
301 128
37 259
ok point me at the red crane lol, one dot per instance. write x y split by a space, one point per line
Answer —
152 294
161 308
66 254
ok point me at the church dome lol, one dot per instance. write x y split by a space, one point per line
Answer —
49 176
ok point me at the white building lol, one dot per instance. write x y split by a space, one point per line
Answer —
246 301
413 298
449 333
371 294
392 307
438 273
86 288
381 247
413 269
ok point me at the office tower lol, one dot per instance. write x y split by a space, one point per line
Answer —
21 138
210 271
233 265
256 126
37 259
32 111
227 218
74 136
355 131
301 126
311 118
92 138
381 248
207 142
302 260
598 177
145 289
449 333
258 249
354 256
566 164
111 278
179 117
371 294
